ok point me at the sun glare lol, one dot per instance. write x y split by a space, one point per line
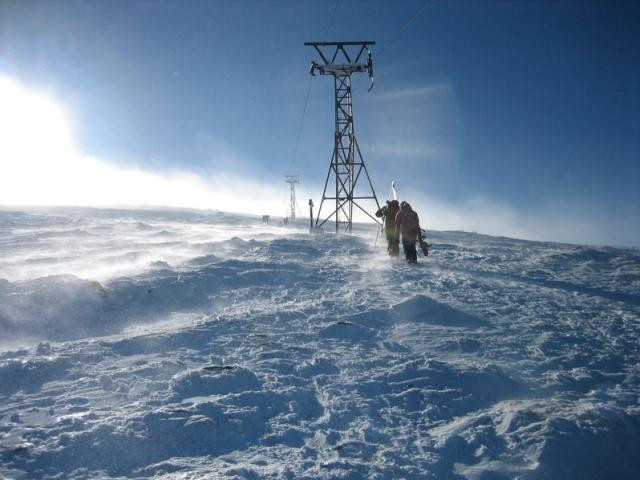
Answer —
40 165
36 142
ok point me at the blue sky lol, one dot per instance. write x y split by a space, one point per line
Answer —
515 118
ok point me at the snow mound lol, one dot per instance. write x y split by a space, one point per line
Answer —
204 383
29 375
348 331
425 309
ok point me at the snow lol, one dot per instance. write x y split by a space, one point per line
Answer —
196 344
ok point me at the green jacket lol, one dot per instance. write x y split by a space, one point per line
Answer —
388 213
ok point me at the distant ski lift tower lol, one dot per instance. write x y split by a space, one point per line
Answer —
341 59
293 180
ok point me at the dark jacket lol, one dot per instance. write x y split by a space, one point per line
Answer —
389 212
407 222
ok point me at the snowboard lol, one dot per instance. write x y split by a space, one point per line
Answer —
424 246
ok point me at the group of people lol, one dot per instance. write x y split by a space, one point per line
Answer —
401 221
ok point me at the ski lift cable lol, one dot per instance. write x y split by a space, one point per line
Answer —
404 27
333 14
306 100
304 111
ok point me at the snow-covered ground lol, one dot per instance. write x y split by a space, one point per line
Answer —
175 345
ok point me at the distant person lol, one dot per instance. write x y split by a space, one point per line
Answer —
408 225
388 214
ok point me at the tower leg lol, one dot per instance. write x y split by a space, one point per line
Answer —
346 162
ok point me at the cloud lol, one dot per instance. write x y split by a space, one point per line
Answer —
40 165
554 221
412 93
418 123
88 181
411 151
479 214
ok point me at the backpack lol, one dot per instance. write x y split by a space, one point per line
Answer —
392 209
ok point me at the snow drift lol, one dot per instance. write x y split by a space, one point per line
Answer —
141 344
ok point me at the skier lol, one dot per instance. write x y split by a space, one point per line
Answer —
408 224
388 214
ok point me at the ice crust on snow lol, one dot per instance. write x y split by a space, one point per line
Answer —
181 344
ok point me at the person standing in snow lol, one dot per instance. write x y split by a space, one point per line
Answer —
388 214
408 224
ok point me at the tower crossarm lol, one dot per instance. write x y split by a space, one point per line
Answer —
342 58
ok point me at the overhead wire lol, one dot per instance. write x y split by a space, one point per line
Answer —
333 14
304 111
404 27
306 99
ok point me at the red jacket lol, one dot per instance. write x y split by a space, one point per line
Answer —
407 222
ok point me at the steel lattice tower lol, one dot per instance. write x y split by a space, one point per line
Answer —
292 180
347 163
